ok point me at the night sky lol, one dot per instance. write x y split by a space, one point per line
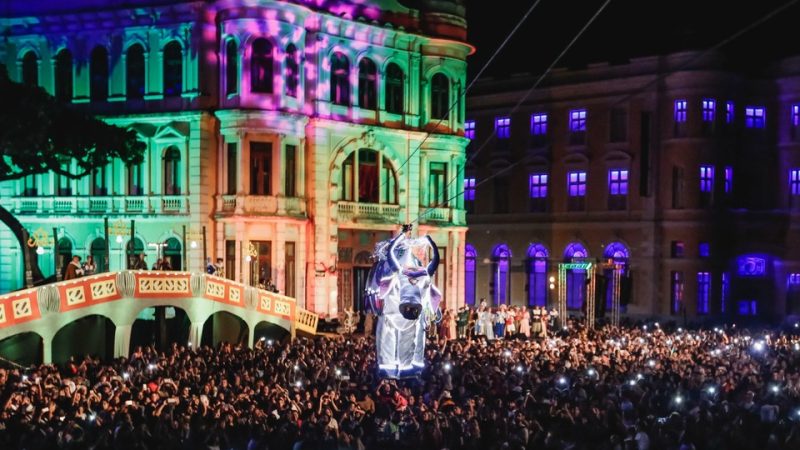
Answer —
626 29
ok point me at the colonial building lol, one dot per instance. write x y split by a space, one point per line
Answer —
685 171
296 133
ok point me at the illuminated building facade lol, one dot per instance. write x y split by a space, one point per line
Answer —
688 177
298 133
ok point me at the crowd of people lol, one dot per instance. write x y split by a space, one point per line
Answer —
642 387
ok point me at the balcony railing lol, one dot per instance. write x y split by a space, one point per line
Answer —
369 211
262 205
99 205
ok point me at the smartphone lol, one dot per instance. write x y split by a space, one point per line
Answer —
128 402
44 410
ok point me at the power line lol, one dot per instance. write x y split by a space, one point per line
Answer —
462 95
528 94
720 44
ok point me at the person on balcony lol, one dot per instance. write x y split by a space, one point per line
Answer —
74 269
89 267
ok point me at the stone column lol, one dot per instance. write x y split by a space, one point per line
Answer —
122 340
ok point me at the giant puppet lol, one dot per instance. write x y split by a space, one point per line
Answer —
400 291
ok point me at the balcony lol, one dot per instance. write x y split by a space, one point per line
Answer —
261 205
110 205
368 211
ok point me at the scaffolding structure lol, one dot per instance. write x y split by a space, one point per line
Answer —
616 279
588 267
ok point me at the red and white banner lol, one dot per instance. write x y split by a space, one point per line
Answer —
84 292
19 308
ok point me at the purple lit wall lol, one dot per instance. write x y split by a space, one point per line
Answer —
502 126
538 124
538 185
709 109
754 116
726 290
576 184
680 111
704 250
618 182
502 257
752 265
470 269
748 307
537 275
703 292
676 291
577 120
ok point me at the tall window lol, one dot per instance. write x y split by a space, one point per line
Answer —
576 278
680 118
440 97
231 67
134 179
676 292
292 71
794 182
470 268
617 189
290 173
469 129
706 185
63 74
537 191
703 292
726 291
173 69
29 188
289 273
709 114
501 258
577 127
30 69
537 275
502 127
394 89
233 169
538 129
98 75
171 171
469 194
754 117
261 66
260 168
728 179
576 190
438 184
99 185
360 180
617 253
729 112
340 79
795 122
134 72
367 84
618 128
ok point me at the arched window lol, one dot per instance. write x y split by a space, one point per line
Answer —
371 187
98 252
501 284
576 278
537 275
171 171
134 248
64 254
98 75
173 69
30 69
367 84
173 253
616 253
394 89
470 272
134 72
261 66
292 71
63 73
231 67
340 79
440 97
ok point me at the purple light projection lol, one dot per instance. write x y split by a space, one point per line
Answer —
470 266
577 120
794 181
469 129
726 290
729 112
704 249
618 182
794 279
576 184
469 189
752 265
537 275
680 111
706 178
539 124
502 257
576 279
537 187
703 292
748 308
676 291
754 116
728 179
709 109
795 119
502 127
